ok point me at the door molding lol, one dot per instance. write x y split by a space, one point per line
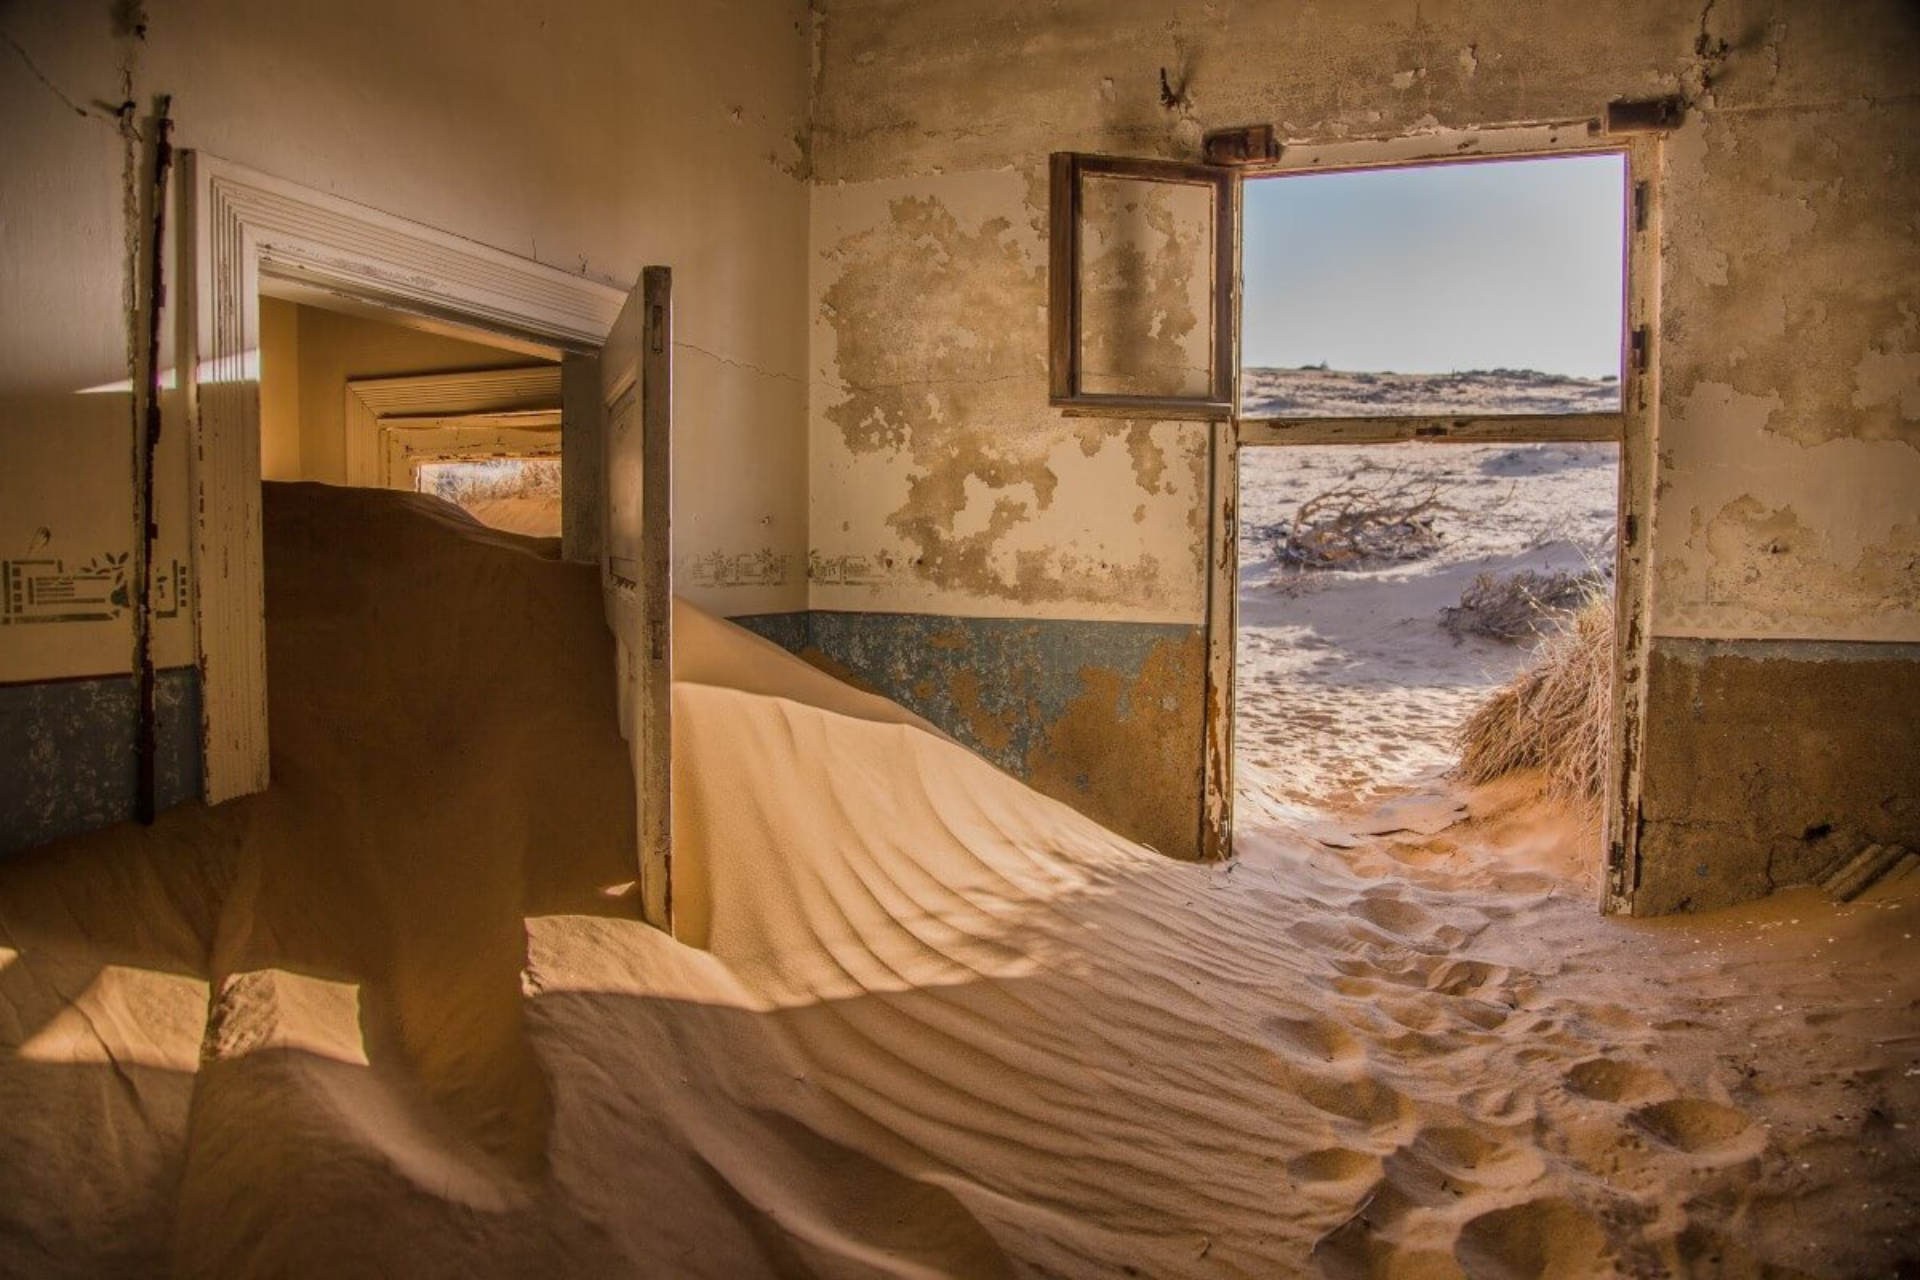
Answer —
237 223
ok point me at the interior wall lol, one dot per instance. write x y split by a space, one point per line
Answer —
280 457
1789 432
597 136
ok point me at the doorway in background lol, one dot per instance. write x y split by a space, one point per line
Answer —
1428 480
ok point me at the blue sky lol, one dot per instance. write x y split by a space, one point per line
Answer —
1506 264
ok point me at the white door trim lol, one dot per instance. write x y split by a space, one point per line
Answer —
235 222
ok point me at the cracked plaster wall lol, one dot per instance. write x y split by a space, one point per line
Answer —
1790 431
1789 426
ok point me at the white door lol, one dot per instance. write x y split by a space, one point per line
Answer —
636 372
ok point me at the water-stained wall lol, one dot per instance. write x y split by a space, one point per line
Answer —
1789 425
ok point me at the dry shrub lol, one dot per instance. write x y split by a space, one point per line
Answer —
1556 716
1519 605
1350 527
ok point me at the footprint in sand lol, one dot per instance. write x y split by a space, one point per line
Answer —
1547 1237
1609 1080
1356 1249
1334 1165
1361 1099
1466 977
1314 1040
1396 915
1699 1127
1443 1167
1470 1153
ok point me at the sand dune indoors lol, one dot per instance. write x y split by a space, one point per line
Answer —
924 1021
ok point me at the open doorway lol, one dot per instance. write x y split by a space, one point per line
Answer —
1429 488
364 396
244 236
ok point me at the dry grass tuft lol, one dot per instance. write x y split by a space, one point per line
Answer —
1556 716
1520 605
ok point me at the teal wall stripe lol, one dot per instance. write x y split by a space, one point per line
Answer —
788 630
1016 674
67 753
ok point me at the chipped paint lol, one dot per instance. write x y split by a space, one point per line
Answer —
1740 553
1789 355
1146 288
1098 714
937 464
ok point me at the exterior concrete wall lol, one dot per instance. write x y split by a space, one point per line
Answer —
1790 350
597 136
1778 760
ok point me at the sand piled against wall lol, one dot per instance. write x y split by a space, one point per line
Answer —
397 1017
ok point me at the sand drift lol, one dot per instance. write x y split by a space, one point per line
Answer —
397 1016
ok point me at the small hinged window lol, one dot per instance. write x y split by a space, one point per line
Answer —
1142 279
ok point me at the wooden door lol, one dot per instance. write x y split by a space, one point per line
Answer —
636 372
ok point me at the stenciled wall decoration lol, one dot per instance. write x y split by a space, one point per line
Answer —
100 590
764 568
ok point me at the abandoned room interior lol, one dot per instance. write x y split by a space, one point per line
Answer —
855 638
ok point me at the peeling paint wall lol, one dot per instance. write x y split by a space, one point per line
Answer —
597 136
937 467
1790 432
1789 465
69 752
946 495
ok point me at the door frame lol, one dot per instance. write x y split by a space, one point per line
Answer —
237 224
1634 427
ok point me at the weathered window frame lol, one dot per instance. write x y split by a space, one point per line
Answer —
1065 312
1633 426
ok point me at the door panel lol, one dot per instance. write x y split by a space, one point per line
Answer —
636 368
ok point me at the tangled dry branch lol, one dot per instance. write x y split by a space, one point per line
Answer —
1350 526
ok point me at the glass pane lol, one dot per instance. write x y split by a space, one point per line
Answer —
1146 287
1477 288
520 495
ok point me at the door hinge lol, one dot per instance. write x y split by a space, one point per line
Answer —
1641 196
1248 144
1642 340
1644 115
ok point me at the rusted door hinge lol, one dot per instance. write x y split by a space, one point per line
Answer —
1248 144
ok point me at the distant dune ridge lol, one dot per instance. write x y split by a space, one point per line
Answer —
1317 392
